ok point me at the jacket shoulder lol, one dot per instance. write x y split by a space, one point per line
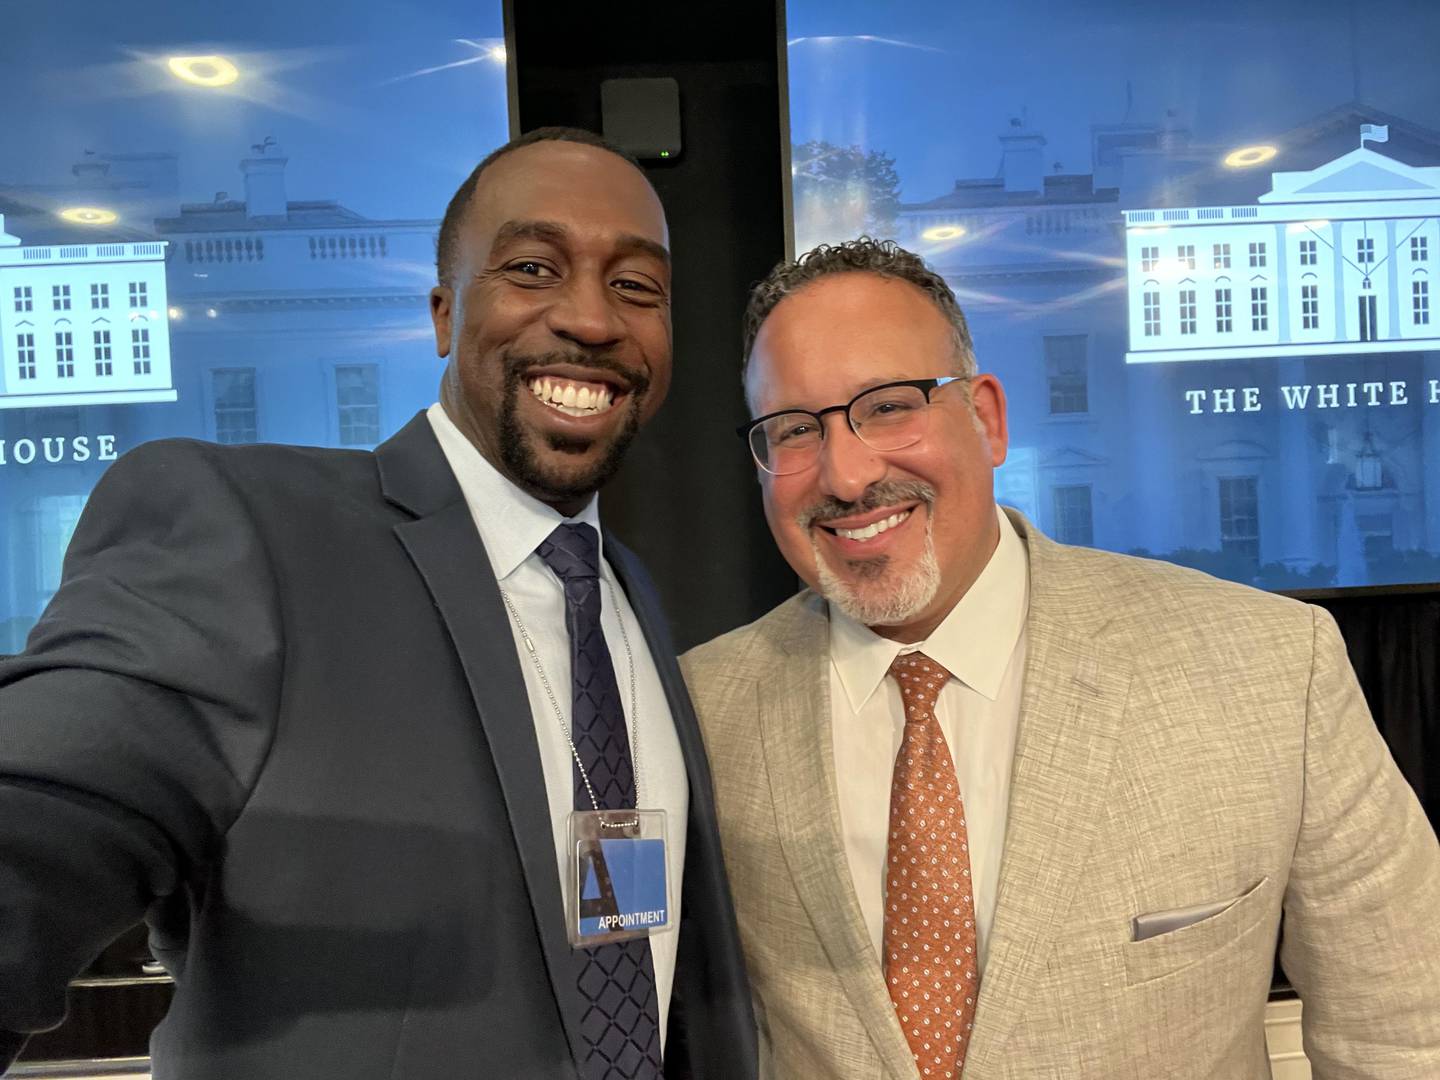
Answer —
734 650
1155 606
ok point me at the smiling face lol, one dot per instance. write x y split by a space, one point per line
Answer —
892 538
557 322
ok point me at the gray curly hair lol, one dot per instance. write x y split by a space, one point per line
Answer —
862 255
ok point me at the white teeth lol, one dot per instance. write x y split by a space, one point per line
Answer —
875 528
571 399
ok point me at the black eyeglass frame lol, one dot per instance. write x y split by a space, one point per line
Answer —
927 386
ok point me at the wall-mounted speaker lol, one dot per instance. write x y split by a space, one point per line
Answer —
642 116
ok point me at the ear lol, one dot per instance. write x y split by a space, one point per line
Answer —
988 397
442 311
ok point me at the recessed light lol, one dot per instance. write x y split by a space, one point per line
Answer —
203 70
1248 156
89 215
943 232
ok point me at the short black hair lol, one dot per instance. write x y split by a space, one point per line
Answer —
445 253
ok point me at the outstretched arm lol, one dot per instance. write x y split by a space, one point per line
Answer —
132 727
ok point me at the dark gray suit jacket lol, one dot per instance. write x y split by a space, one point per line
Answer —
276 708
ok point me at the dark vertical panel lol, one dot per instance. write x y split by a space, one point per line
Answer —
687 500
1394 645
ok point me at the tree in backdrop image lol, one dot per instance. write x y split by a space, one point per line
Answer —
842 192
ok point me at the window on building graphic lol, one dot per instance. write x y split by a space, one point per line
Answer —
99 296
64 354
1420 302
1310 307
1257 254
60 297
1260 308
1074 523
103 360
1377 534
1222 256
1224 312
1365 250
139 294
357 401
55 520
1149 256
1240 516
1067 370
140 351
24 298
25 355
1420 248
235 420
1187 311
1309 253
1186 254
1152 314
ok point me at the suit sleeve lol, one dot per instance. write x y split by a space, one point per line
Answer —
1362 908
133 726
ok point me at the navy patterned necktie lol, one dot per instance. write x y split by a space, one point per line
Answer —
621 1024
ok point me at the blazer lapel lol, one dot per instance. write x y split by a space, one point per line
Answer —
795 728
1072 704
447 551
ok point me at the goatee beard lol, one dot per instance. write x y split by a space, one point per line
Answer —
882 596
877 594
517 449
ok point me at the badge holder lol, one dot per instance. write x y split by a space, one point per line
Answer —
618 885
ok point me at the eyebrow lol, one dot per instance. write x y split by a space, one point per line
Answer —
551 232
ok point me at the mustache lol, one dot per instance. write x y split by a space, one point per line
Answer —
883 493
517 365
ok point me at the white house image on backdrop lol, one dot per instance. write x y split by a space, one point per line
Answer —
1335 260
83 324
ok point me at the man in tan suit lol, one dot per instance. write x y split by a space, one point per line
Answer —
967 757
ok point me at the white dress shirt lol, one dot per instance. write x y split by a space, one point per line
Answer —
512 525
982 644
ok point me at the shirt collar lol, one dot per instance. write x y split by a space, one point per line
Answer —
997 603
511 522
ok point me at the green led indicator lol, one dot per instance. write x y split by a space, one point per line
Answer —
664 153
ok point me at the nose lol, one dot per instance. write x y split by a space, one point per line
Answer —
847 466
584 312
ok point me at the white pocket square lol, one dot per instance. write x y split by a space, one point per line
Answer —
1167 922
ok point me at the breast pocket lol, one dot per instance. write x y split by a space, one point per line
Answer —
1166 954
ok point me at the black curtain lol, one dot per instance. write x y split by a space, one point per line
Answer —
1394 644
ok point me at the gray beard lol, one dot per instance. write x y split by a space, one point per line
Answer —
880 595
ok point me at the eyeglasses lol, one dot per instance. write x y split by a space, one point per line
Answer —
891 416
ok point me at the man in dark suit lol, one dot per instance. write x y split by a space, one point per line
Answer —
321 716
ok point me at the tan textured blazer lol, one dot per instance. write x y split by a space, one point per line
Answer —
1182 741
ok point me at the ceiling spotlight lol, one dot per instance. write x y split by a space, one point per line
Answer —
943 232
89 215
175 313
203 70
1248 156
211 313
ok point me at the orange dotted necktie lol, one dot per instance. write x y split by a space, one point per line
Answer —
929 904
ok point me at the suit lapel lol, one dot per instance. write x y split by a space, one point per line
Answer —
448 553
794 706
1073 701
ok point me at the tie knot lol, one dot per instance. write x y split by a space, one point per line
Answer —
572 551
921 680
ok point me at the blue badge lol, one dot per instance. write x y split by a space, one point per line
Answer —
619 886
623 886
